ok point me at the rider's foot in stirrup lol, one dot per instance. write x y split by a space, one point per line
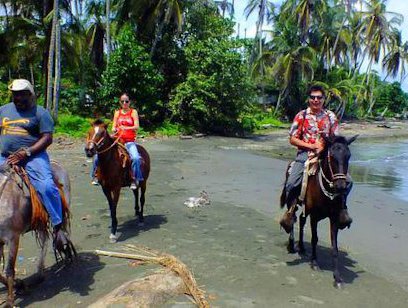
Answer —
95 181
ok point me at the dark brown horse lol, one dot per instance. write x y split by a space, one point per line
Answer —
113 171
16 212
325 197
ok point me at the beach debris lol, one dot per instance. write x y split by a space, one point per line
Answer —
168 261
201 200
185 137
199 135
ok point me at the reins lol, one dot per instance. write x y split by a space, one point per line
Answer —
101 143
334 177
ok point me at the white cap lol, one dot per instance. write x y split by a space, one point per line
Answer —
21 85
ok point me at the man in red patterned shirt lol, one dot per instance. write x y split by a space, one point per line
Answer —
306 133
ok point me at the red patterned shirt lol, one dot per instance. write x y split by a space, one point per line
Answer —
309 127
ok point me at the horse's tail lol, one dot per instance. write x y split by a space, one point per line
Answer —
283 194
283 197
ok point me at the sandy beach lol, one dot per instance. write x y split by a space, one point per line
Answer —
234 246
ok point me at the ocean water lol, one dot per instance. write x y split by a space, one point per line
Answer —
383 164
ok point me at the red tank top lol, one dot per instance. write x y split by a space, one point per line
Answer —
125 119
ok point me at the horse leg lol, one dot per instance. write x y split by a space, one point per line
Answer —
42 236
136 195
335 254
313 262
291 242
142 200
10 269
302 221
112 207
3 279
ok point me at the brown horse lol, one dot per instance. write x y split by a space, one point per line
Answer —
325 197
16 218
114 170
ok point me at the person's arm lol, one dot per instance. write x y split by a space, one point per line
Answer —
114 123
39 146
315 147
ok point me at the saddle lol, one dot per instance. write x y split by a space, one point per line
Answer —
39 217
311 167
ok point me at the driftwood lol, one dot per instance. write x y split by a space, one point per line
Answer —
150 291
166 260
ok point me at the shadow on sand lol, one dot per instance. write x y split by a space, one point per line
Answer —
76 277
132 227
324 259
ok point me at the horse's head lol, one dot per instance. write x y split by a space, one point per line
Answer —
338 155
96 138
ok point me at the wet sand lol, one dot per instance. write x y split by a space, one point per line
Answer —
234 246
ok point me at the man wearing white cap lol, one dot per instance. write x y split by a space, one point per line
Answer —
26 132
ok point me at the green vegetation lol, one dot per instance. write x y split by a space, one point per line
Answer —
188 72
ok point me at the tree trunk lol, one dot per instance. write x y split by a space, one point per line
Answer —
51 59
57 68
108 38
336 42
32 74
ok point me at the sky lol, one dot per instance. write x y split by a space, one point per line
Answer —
248 25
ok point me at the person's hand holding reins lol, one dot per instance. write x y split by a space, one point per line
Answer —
17 157
317 147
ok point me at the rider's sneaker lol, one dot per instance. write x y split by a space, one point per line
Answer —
95 182
133 185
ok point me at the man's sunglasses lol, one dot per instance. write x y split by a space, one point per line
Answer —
312 97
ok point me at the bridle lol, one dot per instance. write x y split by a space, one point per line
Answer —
101 142
334 177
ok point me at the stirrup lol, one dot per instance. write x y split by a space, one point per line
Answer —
63 247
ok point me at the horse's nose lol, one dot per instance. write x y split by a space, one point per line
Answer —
340 185
89 152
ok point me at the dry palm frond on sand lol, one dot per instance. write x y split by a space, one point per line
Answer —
166 260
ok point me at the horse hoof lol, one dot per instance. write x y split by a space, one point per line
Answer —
302 252
338 285
315 266
113 238
291 249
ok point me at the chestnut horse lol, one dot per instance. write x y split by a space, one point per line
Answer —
16 212
113 171
325 197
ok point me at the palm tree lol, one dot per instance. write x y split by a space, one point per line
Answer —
51 56
108 38
226 6
377 29
397 57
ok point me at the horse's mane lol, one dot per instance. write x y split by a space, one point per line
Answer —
98 122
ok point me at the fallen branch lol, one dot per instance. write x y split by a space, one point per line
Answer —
166 260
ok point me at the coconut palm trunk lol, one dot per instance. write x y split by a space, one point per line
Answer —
51 58
108 38
57 79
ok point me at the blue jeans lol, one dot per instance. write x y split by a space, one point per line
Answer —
134 157
39 171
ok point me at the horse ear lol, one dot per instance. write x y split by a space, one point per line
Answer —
327 139
350 140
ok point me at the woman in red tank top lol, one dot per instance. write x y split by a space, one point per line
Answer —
125 125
